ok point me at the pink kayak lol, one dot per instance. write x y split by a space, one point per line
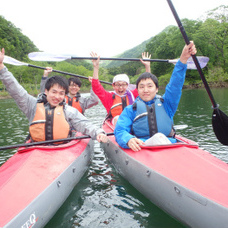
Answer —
36 181
185 181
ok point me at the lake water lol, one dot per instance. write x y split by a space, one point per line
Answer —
103 198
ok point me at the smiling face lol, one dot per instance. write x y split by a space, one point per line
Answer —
147 89
55 95
120 87
73 89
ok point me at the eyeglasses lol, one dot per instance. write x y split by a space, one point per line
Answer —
74 85
121 85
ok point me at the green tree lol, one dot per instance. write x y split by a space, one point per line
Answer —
213 37
15 43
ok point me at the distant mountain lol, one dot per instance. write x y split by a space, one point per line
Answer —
131 53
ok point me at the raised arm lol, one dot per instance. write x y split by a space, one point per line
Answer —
173 89
25 101
146 55
44 78
90 101
95 65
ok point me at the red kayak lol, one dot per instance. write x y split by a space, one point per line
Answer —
187 182
36 181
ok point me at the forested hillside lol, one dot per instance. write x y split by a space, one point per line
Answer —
18 46
209 34
211 38
132 53
15 43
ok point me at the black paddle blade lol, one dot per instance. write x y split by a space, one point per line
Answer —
220 126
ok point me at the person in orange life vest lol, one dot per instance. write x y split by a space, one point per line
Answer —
115 102
51 104
73 98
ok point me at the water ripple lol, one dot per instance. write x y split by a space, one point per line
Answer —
103 198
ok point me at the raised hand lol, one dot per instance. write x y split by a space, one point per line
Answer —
146 55
187 52
47 71
95 65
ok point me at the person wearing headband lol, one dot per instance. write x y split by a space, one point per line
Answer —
122 96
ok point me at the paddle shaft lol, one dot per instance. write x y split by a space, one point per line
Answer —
62 72
42 56
123 59
193 56
47 142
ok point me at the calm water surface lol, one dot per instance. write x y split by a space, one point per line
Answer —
103 198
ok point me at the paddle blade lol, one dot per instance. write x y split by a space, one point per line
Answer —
12 61
190 63
131 86
202 62
47 57
220 126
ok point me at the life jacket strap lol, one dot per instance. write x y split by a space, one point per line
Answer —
49 123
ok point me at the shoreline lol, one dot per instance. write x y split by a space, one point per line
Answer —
192 86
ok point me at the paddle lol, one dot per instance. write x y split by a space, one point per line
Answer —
12 61
43 56
48 142
219 119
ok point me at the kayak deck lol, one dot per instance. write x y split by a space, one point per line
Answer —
192 168
30 171
198 178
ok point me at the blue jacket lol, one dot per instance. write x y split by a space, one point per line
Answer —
171 101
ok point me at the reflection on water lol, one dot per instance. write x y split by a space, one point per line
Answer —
103 198
13 127
195 110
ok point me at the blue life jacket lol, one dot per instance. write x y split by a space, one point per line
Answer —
151 119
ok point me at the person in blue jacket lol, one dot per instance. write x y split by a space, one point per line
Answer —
151 116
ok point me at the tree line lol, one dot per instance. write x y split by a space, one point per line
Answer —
211 38
210 35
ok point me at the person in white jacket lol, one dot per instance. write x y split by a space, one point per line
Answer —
52 105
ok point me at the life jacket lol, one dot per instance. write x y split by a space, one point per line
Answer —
49 123
119 103
74 102
153 119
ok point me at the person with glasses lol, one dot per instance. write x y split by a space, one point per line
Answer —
115 102
73 98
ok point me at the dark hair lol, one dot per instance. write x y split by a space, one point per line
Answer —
59 80
146 75
75 80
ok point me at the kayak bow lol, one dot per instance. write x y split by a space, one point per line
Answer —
185 181
36 181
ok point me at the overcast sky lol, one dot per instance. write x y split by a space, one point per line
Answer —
106 27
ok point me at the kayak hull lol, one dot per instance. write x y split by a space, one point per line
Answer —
32 201
182 199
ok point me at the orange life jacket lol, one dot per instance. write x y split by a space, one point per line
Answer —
119 103
74 102
49 124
